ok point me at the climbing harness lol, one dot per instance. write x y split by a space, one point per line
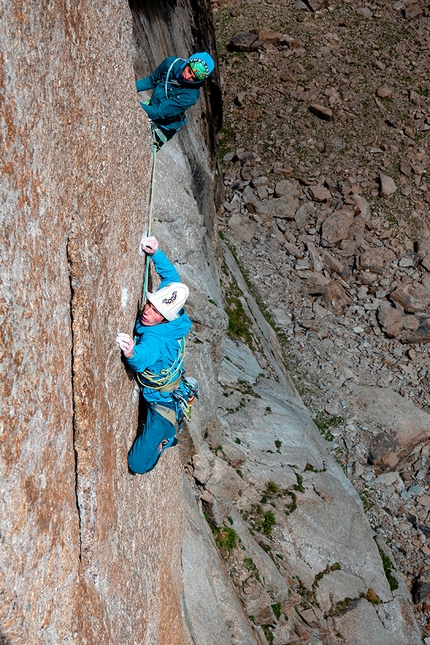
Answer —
167 413
182 401
170 381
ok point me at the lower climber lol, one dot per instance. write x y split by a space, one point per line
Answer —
175 86
157 360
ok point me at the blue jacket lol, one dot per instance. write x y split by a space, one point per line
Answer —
168 111
157 346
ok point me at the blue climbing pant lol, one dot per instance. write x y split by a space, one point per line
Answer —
144 453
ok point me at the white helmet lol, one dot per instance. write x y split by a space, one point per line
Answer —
169 300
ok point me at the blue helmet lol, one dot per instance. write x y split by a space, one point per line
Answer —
201 64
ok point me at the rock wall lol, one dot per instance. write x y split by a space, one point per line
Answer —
89 553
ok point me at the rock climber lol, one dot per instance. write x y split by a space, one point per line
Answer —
175 86
156 357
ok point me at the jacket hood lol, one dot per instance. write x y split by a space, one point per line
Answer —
202 57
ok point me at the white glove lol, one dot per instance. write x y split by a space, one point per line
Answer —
126 343
149 245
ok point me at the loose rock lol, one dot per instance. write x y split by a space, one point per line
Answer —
388 187
244 41
321 112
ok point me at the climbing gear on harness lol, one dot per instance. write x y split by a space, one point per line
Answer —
192 393
165 377
158 136
192 386
169 300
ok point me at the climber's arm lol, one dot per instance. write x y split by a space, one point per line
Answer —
149 82
169 108
162 264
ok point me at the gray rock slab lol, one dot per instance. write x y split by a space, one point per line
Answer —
335 586
327 524
329 527
213 611
241 361
272 579
361 624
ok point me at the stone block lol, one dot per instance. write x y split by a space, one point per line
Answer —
244 41
336 227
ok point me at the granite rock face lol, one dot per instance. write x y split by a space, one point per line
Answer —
90 554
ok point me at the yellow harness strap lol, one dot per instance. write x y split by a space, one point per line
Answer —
170 387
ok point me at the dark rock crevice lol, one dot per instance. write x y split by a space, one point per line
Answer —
72 366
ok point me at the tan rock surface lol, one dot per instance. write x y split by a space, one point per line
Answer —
336 227
65 249
375 260
413 298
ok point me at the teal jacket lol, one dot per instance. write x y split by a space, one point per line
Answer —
156 347
167 109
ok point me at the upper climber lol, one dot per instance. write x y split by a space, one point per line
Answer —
175 86
156 356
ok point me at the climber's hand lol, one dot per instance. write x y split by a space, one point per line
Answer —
125 342
149 245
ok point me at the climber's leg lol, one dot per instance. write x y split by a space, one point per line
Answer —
148 445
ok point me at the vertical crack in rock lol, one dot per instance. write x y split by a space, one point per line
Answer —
72 360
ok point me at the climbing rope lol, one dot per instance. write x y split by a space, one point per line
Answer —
157 381
149 233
